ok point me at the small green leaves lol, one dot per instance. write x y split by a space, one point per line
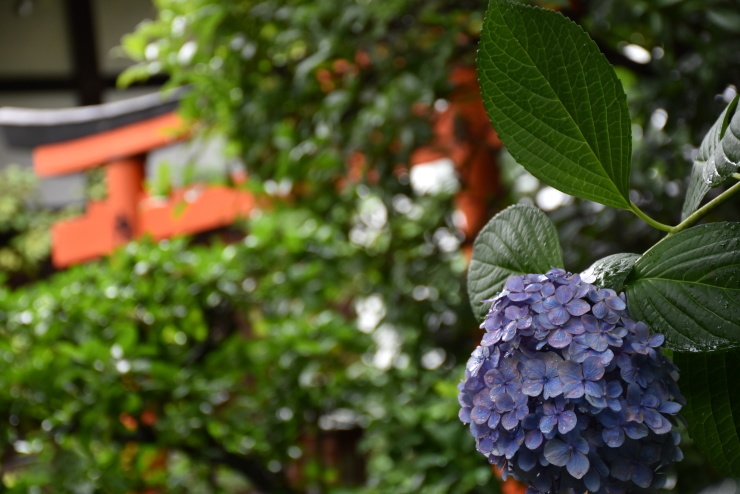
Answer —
712 390
718 158
556 102
519 240
688 287
611 271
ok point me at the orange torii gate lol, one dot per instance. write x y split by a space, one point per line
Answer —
117 136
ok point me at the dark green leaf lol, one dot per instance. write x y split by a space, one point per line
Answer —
688 287
716 159
556 102
519 240
611 271
709 381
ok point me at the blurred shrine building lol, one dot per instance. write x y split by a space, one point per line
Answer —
61 115
117 137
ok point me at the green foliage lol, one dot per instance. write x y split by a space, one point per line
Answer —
24 224
238 356
709 380
611 271
716 159
551 85
298 87
688 285
519 240
324 102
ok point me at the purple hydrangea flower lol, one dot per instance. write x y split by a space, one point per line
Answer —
567 392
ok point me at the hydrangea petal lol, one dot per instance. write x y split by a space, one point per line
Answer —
559 338
613 438
578 465
642 475
480 414
591 377
577 307
558 316
557 452
567 421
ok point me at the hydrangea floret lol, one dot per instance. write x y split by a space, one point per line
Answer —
567 393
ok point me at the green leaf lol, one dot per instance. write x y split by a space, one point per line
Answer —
611 271
709 381
717 158
521 239
556 102
688 287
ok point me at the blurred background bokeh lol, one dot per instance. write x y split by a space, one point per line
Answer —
315 344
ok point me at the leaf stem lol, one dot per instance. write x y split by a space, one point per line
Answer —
704 210
647 219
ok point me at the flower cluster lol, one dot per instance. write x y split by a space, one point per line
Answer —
567 393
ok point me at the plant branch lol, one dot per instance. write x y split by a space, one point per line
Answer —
647 219
213 452
704 210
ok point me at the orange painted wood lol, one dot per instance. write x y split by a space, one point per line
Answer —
193 210
95 150
125 183
83 238
187 211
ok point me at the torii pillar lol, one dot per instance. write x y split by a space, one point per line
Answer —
117 136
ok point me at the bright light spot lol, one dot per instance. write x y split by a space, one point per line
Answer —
402 361
433 358
151 51
23 447
658 53
123 366
339 419
402 204
187 52
389 342
441 105
729 93
370 311
636 53
249 284
434 177
295 452
274 466
116 351
659 118
25 317
549 199
285 414
246 444
526 184
459 220
180 338
421 293
446 240
672 188
589 276
373 213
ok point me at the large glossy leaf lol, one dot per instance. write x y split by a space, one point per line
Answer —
519 240
688 287
718 158
611 271
556 102
709 381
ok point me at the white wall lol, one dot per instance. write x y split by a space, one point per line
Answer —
37 45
